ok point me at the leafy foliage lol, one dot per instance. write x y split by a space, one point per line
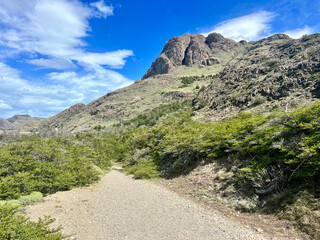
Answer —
48 165
14 226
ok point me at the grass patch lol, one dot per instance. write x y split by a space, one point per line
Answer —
31 198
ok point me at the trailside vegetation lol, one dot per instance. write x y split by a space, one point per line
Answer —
33 166
275 157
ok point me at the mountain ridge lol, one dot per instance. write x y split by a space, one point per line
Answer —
254 75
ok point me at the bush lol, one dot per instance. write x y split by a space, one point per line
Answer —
143 170
49 165
15 226
186 81
274 155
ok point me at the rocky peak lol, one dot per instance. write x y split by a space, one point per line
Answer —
214 37
189 50
278 36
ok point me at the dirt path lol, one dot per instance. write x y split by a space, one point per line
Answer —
119 207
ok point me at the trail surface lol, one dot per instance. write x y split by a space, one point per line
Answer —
119 207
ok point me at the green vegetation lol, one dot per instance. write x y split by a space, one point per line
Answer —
16 226
49 165
99 127
152 117
33 166
276 156
186 81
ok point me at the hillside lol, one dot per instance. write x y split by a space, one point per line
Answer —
275 72
5 124
123 104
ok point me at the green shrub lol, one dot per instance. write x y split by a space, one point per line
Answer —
259 100
15 226
49 165
143 170
31 198
186 81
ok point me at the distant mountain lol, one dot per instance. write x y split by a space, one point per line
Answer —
220 75
18 121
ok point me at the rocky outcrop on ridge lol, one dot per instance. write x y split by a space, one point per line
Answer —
190 50
277 73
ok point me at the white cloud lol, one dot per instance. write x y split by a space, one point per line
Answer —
94 81
19 96
114 59
104 10
55 63
4 106
299 32
54 29
249 27
50 34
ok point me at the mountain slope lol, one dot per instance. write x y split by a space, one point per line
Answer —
5 124
124 104
275 72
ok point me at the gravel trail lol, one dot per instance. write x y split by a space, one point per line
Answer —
119 207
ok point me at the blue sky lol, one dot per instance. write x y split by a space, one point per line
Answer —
54 54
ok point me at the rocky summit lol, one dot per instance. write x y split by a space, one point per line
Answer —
190 50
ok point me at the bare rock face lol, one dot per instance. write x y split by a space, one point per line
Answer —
190 50
217 42
278 36
197 51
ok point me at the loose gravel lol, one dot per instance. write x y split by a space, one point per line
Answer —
119 207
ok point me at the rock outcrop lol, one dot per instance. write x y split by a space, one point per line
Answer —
190 50
276 71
